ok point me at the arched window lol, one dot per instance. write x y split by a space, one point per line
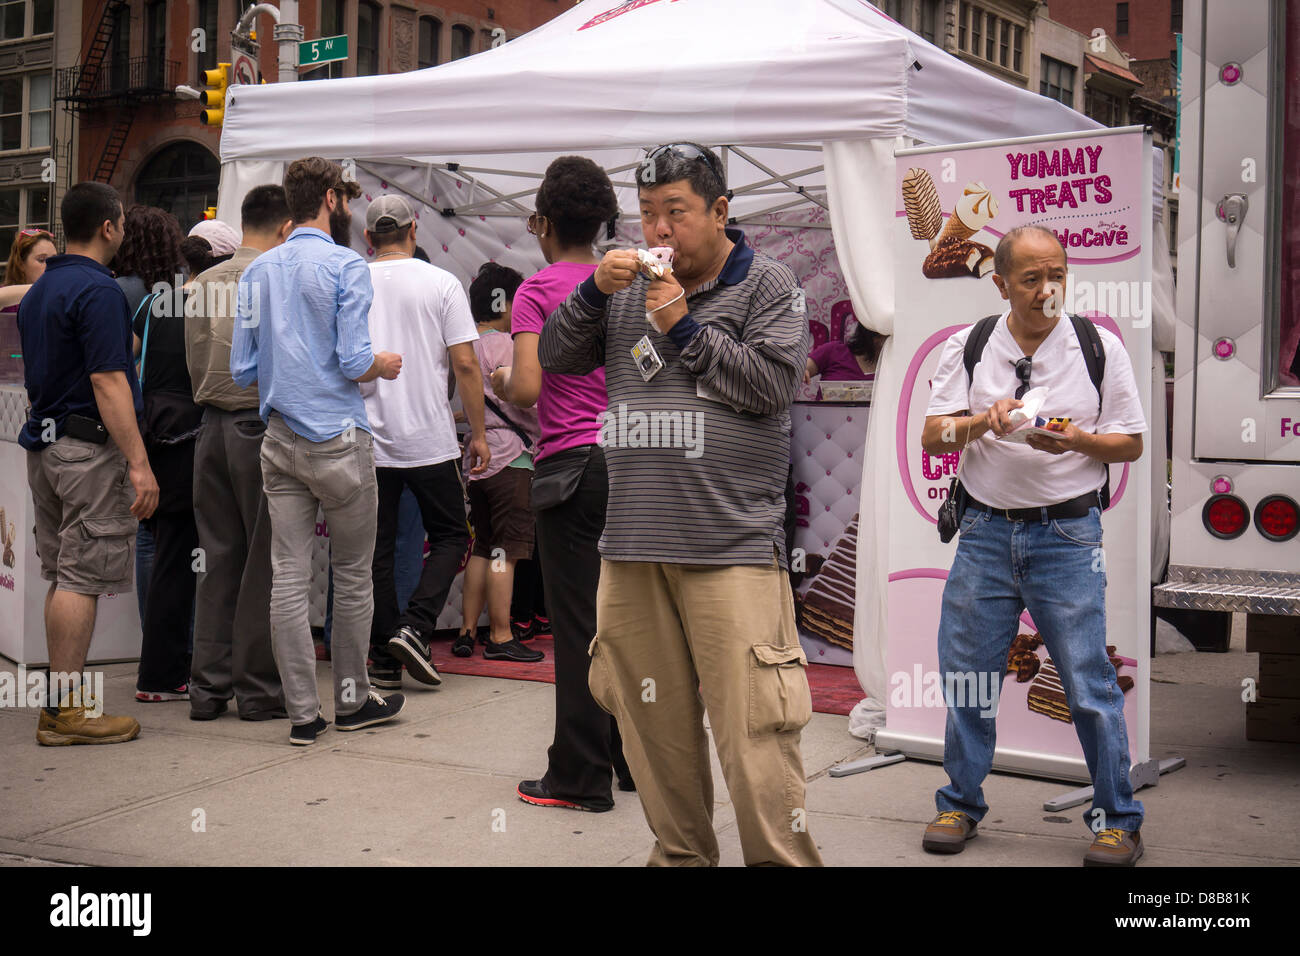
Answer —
182 179
462 38
430 41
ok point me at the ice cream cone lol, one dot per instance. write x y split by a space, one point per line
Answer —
954 228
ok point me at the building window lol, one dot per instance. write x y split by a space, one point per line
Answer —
38 111
930 10
333 19
461 38
180 179
42 17
1105 108
976 25
207 57
11 113
1004 44
367 38
155 43
119 49
430 40
893 9
990 35
1018 51
1176 16
963 13
1057 81
1121 19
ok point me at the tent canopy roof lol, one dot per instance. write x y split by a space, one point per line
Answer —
608 75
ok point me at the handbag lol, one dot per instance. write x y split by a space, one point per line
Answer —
556 478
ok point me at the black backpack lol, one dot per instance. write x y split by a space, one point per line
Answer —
1094 356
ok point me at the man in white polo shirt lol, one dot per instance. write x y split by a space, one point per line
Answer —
1031 535
425 313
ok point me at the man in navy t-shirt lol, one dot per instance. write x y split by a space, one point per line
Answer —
86 463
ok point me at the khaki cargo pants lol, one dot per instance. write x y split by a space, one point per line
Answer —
85 532
674 642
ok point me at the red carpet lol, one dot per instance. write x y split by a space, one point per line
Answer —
835 690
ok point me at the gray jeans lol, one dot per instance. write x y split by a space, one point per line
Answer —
339 474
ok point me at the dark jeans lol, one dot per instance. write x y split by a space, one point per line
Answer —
441 499
169 609
587 744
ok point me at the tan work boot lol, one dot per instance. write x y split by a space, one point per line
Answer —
74 725
1114 847
948 832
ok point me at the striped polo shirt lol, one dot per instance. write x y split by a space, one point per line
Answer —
692 479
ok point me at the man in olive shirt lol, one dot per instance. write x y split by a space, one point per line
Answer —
232 625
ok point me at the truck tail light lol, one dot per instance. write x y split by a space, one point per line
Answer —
1277 518
1226 516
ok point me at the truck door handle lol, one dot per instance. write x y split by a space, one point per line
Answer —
1232 210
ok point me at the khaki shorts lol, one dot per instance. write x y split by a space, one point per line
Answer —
85 532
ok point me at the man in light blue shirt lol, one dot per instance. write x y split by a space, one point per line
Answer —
303 337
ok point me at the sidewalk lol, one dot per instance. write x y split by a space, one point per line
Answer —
437 788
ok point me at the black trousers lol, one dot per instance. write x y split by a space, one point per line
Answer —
441 498
527 599
587 745
164 650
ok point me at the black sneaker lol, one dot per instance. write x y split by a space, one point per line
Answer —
376 710
541 626
539 794
463 646
387 676
512 650
208 713
522 631
407 647
300 735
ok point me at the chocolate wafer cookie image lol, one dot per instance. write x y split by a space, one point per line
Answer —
828 603
1047 693
953 258
921 203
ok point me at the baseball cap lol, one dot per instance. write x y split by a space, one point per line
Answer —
223 239
387 213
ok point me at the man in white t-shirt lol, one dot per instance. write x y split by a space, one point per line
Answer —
1031 538
423 311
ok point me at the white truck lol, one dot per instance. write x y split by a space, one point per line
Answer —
1236 441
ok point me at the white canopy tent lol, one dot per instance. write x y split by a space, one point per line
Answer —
806 99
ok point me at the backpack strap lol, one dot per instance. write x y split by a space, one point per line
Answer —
975 342
147 304
1094 356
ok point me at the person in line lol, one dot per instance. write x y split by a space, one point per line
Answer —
694 595
1030 536
27 256
222 239
303 337
232 629
150 258
498 496
852 360
86 462
422 311
171 424
575 204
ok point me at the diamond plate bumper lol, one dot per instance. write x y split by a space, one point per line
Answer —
1229 589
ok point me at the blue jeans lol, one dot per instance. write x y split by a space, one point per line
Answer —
1055 569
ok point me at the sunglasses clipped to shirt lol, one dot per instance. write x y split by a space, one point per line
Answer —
1023 367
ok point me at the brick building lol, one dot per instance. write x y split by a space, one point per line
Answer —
121 121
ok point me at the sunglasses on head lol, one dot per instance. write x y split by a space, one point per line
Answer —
690 152
1023 368
33 232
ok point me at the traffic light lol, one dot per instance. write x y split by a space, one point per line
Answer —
214 97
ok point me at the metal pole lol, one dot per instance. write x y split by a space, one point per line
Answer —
288 32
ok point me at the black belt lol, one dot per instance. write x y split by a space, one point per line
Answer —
1074 508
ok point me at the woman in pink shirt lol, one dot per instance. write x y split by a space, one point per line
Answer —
575 204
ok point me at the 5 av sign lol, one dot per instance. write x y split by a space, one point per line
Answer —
324 50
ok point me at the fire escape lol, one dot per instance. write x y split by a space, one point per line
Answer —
110 84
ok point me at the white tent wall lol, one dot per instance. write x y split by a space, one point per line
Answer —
773 80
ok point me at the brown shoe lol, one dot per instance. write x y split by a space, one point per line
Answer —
948 832
74 726
1114 847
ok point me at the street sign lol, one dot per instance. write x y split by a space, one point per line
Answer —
243 68
324 50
